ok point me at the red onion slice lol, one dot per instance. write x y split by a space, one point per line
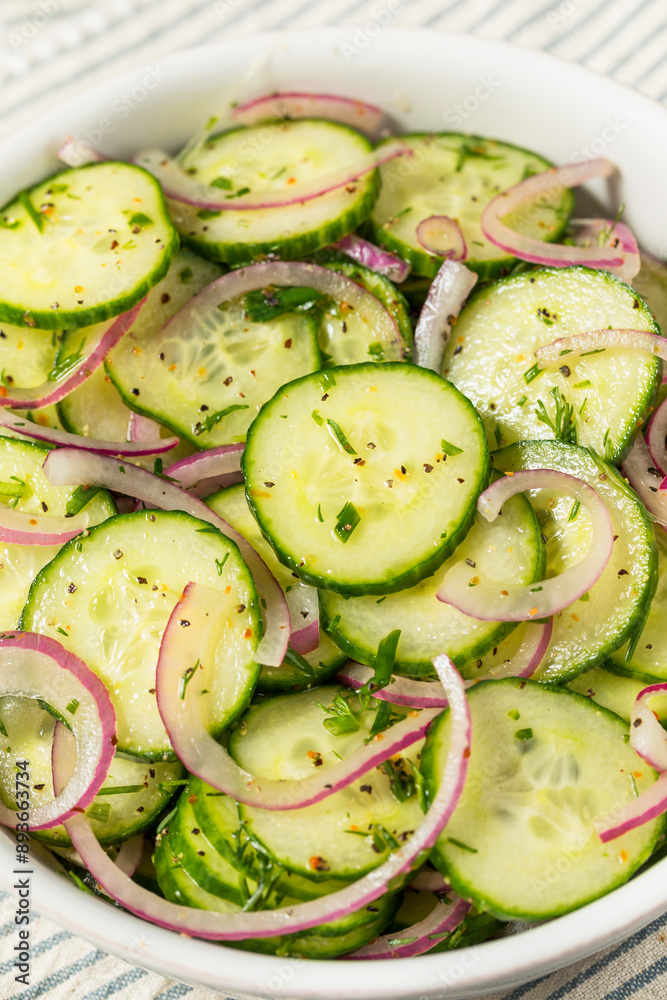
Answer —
35 666
205 757
21 527
207 471
493 601
374 258
293 104
130 854
430 880
419 938
75 153
649 805
600 340
549 183
290 273
656 433
646 480
649 740
76 441
140 428
647 736
443 237
446 297
429 694
300 916
181 186
307 639
68 466
53 390
619 236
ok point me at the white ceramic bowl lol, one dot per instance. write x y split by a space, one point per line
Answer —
429 81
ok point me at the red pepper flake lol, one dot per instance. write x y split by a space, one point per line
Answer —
247 633
318 864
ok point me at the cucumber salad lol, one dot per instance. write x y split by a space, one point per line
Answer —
333 552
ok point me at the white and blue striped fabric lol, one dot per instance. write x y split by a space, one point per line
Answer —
50 49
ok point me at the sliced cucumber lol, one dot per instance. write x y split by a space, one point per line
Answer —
108 597
326 941
96 409
217 816
209 869
354 489
293 674
349 832
23 485
457 175
615 692
589 630
27 356
208 386
268 157
596 400
545 763
649 656
346 340
87 244
508 549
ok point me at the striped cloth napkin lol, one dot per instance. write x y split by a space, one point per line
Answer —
50 49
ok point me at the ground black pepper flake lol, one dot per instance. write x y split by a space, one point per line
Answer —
135 392
427 467
118 554
71 589
184 623
142 579
366 788
165 297
43 506
564 370
471 563
622 572
228 380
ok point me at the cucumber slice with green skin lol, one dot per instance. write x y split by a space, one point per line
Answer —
346 340
545 763
588 631
89 244
209 385
351 831
108 596
509 548
615 692
178 886
209 869
217 816
351 463
604 397
26 732
263 157
649 658
457 175
327 941
21 475
96 409
292 674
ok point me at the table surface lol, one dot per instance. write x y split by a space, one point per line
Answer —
50 49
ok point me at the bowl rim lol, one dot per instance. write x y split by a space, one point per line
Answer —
490 966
